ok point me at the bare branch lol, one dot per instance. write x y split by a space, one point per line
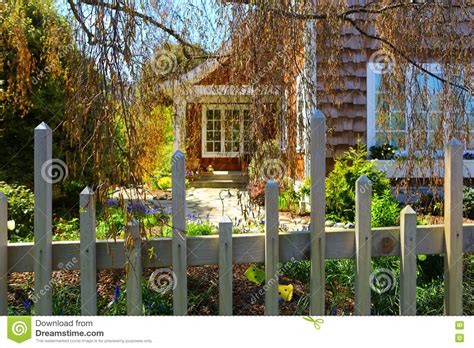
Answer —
403 55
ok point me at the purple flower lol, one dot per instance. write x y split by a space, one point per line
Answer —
334 310
27 305
169 210
112 203
207 216
137 207
116 293
262 222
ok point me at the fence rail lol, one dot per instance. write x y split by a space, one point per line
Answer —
362 243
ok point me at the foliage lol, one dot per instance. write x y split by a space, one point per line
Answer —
66 229
468 199
195 226
340 280
383 152
305 188
157 150
164 183
385 210
289 197
340 184
34 46
20 209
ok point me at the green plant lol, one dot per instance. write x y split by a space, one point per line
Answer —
468 200
289 197
340 184
21 204
305 188
164 183
66 229
385 210
383 152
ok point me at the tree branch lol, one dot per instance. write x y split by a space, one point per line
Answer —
142 16
403 55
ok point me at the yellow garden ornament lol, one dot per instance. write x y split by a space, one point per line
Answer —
285 292
257 276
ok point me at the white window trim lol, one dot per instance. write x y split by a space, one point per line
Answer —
222 107
371 103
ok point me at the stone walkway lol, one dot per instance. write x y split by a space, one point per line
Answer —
205 203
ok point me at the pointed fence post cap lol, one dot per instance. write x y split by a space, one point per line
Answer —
317 115
271 183
408 210
363 179
455 142
43 126
178 154
87 191
225 219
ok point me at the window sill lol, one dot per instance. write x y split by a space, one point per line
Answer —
394 169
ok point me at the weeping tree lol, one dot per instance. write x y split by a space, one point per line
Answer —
125 45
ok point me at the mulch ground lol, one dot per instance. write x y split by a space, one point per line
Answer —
203 289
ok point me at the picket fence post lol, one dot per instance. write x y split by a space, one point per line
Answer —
363 241
225 266
179 245
134 268
407 261
453 234
318 209
88 252
43 145
271 248
3 254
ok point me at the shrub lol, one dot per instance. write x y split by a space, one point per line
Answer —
468 198
383 152
164 183
21 202
288 198
385 210
340 184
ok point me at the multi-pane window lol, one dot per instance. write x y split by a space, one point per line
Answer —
226 130
213 130
389 122
232 130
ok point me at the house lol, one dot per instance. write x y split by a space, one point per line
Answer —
215 103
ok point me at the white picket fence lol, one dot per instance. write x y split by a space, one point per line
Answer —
225 249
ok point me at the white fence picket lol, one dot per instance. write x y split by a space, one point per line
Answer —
271 248
318 208
43 219
407 261
363 236
134 269
88 252
178 176
225 266
453 208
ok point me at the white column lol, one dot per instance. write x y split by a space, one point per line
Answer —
179 123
